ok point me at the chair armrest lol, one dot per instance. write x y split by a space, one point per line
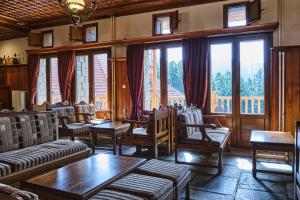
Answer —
85 114
62 120
214 116
133 124
200 126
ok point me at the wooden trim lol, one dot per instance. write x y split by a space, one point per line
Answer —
260 28
42 42
84 32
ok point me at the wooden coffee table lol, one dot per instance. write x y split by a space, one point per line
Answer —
82 179
271 141
111 129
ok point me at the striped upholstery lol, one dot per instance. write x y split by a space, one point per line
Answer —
4 169
174 172
46 128
39 154
8 134
84 108
141 185
27 130
217 135
65 111
115 195
191 117
17 194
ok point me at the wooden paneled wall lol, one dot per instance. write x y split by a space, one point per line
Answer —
122 90
14 76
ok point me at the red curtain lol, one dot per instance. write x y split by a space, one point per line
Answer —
66 70
195 71
135 74
33 75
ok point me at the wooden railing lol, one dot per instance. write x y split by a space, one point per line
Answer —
249 105
101 102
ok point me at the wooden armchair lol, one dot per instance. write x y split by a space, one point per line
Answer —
87 113
150 133
193 134
68 127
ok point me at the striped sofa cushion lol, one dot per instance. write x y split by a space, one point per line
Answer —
114 195
27 130
45 128
4 169
163 169
142 185
8 134
65 111
17 194
86 108
39 154
191 116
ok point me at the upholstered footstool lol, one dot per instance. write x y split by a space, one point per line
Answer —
179 174
147 187
114 195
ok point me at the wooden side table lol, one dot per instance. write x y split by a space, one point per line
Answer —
111 129
271 141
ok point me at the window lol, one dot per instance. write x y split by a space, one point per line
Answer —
241 13
93 77
42 83
221 78
163 76
101 81
47 39
82 79
55 89
90 33
175 76
152 79
165 23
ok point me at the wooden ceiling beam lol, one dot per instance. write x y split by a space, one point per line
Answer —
11 27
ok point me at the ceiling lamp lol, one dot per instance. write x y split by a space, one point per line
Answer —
77 10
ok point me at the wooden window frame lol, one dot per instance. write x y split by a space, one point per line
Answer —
173 22
163 69
84 32
254 6
90 54
42 38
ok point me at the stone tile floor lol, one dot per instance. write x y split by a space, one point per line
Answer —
236 182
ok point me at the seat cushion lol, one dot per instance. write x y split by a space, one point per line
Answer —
140 131
76 128
39 154
217 135
4 169
114 195
142 185
164 169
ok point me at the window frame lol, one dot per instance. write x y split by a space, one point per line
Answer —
90 54
84 27
173 22
43 33
163 69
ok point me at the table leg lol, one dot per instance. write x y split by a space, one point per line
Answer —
93 135
253 161
115 143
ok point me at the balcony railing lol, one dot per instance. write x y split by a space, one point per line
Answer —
249 105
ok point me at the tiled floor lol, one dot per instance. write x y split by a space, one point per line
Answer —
236 181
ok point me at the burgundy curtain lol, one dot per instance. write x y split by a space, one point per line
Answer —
66 70
33 75
195 71
135 74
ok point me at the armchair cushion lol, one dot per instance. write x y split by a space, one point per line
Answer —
217 136
140 131
5 169
65 111
190 117
27 131
84 108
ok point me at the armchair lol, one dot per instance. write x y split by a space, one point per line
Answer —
193 134
150 133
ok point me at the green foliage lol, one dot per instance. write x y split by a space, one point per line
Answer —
222 84
175 75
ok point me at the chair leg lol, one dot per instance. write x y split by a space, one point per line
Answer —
187 191
138 148
72 138
155 151
220 166
176 154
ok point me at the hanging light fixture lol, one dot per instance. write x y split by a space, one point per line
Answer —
78 10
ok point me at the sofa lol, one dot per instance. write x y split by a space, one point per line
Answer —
29 146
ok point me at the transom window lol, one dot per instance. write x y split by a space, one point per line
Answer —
165 23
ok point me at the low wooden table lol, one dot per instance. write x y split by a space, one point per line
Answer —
111 129
82 179
271 141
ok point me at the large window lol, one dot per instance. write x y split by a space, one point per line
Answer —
42 83
82 78
221 78
163 77
93 78
55 89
